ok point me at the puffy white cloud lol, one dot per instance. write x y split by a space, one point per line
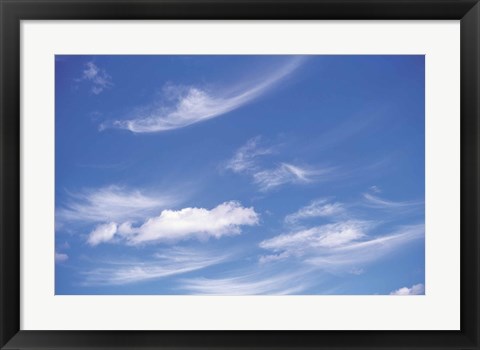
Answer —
173 225
102 233
193 104
98 77
112 203
417 289
317 208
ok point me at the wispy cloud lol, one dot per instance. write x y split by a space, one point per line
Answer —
174 225
110 204
245 158
339 246
60 257
417 289
174 261
249 284
286 173
379 203
324 236
317 208
366 251
98 77
334 248
194 104
345 244
246 161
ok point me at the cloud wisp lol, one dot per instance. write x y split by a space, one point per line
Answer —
98 77
329 236
417 289
60 257
286 173
340 246
380 203
194 104
248 284
170 226
317 208
166 263
365 251
112 203
245 158
246 161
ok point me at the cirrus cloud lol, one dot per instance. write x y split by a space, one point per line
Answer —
324 236
98 77
380 203
166 263
248 284
245 158
317 208
110 204
246 161
340 246
192 104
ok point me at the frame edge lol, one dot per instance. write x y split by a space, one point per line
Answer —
470 180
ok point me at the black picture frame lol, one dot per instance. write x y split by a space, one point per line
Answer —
13 11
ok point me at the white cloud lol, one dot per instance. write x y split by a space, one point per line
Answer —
317 208
173 261
102 233
280 175
60 257
340 246
324 236
417 289
286 173
252 284
377 202
193 104
367 250
274 257
110 204
244 159
98 77
174 225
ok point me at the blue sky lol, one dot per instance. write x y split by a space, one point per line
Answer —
239 175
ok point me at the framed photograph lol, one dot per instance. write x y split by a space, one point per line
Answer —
239 174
